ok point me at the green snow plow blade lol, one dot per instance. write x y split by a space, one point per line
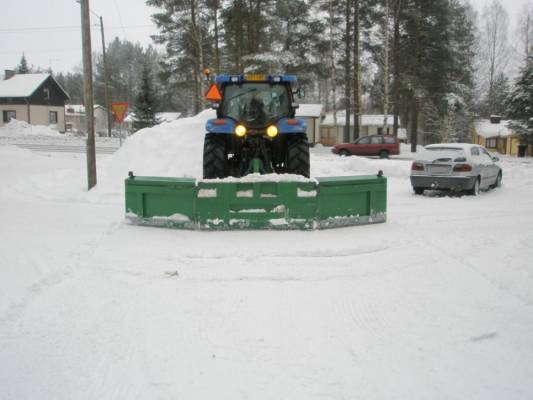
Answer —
232 205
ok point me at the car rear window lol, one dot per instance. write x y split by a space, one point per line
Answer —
443 153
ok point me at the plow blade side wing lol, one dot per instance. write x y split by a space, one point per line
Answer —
232 205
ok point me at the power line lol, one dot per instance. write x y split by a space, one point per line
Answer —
120 17
61 29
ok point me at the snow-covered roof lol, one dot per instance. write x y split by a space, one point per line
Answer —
22 85
73 109
487 129
309 110
366 119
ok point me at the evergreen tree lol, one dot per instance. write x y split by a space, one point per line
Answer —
22 68
145 105
520 104
125 61
72 82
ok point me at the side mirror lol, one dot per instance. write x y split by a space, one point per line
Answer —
495 159
300 93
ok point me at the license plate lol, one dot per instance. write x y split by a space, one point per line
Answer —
440 169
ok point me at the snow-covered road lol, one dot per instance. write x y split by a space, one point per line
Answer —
435 304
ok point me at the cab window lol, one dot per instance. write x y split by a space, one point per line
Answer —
365 140
376 140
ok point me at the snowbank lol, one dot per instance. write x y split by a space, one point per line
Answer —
172 149
21 128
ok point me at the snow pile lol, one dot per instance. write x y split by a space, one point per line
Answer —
173 149
21 128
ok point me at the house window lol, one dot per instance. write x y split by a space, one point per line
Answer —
491 143
380 131
46 94
9 115
53 117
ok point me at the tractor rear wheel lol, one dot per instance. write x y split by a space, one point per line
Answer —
298 156
214 157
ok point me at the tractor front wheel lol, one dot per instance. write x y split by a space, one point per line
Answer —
215 157
298 156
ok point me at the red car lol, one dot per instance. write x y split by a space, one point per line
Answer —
378 145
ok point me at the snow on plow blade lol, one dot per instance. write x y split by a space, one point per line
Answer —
225 205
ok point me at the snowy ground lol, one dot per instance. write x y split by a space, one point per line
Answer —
435 304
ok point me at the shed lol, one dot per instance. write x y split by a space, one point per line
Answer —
312 115
332 132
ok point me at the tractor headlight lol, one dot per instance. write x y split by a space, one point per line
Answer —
240 130
272 131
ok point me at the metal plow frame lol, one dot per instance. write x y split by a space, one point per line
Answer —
323 203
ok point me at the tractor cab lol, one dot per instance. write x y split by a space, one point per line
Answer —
256 104
255 129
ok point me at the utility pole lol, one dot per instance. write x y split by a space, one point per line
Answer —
88 92
106 80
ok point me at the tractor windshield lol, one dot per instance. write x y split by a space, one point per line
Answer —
256 104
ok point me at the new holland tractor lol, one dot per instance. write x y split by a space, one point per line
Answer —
256 129
256 170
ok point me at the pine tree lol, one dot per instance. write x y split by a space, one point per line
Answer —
520 104
145 103
23 68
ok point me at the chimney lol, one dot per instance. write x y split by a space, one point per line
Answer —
495 119
8 73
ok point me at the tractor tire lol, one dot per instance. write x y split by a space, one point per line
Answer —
214 157
298 156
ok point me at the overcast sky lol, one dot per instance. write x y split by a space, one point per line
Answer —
48 31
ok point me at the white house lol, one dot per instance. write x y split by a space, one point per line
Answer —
76 121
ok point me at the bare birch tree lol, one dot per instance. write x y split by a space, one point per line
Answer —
525 31
495 50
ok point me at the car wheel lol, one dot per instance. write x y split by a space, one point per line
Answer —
498 182
475 190
383 154
418 190
344 153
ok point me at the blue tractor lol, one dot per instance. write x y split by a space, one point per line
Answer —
256 130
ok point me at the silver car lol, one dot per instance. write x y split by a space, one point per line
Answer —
456 167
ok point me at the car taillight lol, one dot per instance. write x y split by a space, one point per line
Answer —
417 167
462 168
